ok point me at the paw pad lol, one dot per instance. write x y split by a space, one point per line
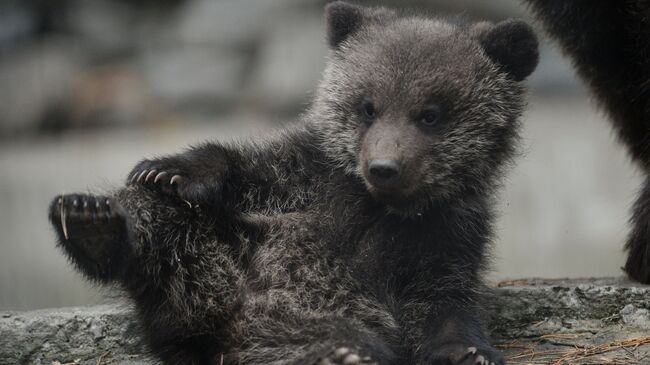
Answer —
81 209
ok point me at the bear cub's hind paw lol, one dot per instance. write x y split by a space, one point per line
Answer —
93 231
346 356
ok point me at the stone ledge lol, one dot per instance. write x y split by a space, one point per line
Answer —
105 334
579 321
535 321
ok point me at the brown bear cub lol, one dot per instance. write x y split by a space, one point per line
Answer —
356 236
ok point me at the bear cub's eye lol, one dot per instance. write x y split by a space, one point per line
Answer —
430 116
368 109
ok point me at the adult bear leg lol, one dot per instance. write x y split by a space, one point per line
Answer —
608 43
638 243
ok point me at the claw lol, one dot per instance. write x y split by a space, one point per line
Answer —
149 175
75 203
480 360
341 351
141 175
176 179
85 204
134 177
351 359
188 203
107 212
64 227
160 176
472 350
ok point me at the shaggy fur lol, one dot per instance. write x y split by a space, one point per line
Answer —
609 43
298 249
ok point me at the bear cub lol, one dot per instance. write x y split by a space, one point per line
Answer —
356 236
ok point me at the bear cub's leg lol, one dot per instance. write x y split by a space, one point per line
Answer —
94 232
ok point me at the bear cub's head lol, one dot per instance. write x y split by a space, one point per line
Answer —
421 109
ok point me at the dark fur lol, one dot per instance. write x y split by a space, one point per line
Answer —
609 43
284 250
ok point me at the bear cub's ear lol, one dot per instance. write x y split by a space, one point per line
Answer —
512 45
342 20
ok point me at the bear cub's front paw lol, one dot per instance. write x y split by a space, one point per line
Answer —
165 173
463 354
173 177
346 356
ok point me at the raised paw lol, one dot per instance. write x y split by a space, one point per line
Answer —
171 176
93 231
158 173
346 356
462 354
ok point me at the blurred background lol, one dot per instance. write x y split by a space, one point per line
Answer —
89 87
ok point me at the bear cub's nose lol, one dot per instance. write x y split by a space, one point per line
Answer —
383 172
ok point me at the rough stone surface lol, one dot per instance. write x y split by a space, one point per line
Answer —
105 334
586 321
534 321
